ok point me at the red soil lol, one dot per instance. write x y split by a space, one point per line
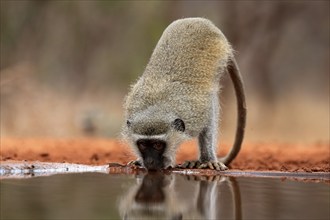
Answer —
253 156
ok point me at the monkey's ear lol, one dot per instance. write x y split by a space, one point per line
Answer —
178 124
128 123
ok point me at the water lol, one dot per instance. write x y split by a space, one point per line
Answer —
155 196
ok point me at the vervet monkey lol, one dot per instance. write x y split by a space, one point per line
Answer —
176 98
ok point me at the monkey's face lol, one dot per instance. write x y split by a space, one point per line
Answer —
155 140
152 153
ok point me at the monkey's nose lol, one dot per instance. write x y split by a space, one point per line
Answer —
149 161
150 164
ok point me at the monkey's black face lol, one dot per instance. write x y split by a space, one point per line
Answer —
152 151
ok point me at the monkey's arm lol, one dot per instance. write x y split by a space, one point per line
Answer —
208 137
207 142
135 163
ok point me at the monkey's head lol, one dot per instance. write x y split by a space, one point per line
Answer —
155 140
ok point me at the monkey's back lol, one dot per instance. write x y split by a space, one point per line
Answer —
183 72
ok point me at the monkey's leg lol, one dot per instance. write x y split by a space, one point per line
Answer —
207 145
214 165
207 141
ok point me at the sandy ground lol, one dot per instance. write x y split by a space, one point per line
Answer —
253 156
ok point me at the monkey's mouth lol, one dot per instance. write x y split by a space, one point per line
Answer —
161 163
153 167
158 167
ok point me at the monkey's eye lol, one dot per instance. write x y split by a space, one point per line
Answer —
128 123
141 145
158 146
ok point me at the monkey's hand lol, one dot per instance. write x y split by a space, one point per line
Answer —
134 163
214 165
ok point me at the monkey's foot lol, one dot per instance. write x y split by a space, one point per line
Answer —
134 163
214 165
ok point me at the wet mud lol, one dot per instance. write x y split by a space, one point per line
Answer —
17 169
96 151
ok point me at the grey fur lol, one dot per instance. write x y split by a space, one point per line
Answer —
181 81
207 139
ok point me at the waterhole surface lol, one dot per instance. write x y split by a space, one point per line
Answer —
161 196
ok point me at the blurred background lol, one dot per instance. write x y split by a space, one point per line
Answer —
66 66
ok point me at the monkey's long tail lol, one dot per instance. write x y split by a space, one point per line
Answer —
236 78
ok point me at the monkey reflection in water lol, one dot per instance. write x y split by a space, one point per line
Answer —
159 196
